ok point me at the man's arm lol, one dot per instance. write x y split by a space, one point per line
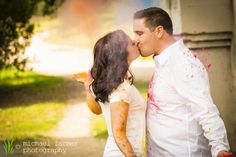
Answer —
191 82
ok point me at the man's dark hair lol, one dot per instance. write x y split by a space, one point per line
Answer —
154 17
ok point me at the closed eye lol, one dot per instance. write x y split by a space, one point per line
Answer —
139 33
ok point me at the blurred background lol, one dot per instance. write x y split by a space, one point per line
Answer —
44 42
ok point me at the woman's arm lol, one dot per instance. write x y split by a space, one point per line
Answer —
92 104
90 99
119 114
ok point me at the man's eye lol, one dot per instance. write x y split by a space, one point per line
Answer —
140 33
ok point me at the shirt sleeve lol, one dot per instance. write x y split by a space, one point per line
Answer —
191 81
120 94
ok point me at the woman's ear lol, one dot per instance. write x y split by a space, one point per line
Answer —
159 31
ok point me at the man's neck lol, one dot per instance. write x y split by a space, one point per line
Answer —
166 43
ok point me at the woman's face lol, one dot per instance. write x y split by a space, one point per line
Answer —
133 51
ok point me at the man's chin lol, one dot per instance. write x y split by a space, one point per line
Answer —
143 55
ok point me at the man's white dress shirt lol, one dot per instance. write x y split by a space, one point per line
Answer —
182 120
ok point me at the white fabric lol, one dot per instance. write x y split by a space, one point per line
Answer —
182 120
135 129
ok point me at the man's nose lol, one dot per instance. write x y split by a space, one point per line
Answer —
136 41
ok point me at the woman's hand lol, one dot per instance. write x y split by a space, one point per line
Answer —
84 78
90 99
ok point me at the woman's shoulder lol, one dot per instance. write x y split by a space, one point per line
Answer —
124 86
122 91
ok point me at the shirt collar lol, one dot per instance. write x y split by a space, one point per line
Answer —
166 53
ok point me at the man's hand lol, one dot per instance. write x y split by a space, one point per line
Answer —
224 153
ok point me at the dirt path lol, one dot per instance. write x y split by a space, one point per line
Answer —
75 124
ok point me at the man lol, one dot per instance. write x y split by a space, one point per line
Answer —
182 120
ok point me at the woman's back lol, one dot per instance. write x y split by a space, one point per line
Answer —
135 128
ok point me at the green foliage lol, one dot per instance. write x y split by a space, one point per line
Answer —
142 86
16 30
47 7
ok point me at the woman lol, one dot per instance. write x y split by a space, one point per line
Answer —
114 95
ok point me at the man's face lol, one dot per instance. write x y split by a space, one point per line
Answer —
145 39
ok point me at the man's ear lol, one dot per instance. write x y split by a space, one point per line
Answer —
159 31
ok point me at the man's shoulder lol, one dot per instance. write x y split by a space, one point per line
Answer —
186 56
186 61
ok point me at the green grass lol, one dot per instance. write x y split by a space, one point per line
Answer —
99 128
12 79
28 88
31 121
32 104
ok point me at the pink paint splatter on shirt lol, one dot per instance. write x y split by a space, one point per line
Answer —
204 60
209 66
151 100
